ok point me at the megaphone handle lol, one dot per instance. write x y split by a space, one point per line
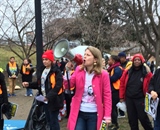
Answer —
68 83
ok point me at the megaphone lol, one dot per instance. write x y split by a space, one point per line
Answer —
62 49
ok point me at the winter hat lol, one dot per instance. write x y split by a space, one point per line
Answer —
48 55
140 56
122 54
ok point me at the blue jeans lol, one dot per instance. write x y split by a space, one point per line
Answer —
28 91
52 118
157 121
86 121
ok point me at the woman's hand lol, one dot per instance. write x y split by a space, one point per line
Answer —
69 66
154 95
108 121
25 84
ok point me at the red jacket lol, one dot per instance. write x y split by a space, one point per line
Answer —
124 81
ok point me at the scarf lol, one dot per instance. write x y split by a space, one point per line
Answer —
113 66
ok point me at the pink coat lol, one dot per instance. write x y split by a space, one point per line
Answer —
102 93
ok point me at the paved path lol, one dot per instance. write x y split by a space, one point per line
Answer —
24 105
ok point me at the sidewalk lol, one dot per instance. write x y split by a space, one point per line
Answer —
24 105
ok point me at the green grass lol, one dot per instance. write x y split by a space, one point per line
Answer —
5 55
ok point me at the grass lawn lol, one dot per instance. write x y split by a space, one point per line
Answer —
123 123
5 55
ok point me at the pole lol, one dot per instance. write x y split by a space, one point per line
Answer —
38 31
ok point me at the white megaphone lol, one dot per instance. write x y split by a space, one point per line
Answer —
63 49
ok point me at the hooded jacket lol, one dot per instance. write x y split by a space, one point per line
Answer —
124 80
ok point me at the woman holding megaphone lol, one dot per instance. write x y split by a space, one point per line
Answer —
92 100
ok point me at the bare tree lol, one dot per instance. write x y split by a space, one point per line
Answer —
57 16
19 19
100 23
20 29
145 17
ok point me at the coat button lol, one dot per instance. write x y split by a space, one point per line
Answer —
97 114
95 95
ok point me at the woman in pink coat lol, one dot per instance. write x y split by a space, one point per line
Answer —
92 100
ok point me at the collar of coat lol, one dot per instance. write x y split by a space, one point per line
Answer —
145 69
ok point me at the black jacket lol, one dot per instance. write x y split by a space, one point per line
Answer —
55 101
3 96
155 82
25 77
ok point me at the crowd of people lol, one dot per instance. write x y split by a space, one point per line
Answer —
91 89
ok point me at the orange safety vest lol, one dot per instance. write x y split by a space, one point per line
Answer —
12 67
24 69
0 89
116 84
12 64
53 83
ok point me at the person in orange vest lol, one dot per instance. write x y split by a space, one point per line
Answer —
115 72
50 85
12 70
3 96
26 72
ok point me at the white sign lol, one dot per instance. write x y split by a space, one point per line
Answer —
151 105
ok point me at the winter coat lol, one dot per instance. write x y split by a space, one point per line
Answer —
55 100
102 94
124 80
3 90
26 77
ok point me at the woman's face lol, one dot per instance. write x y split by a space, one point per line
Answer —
88 59
110 61
137 62
25 61
46 62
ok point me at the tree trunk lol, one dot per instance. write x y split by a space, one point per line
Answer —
157 51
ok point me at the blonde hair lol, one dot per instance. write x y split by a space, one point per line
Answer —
98 56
